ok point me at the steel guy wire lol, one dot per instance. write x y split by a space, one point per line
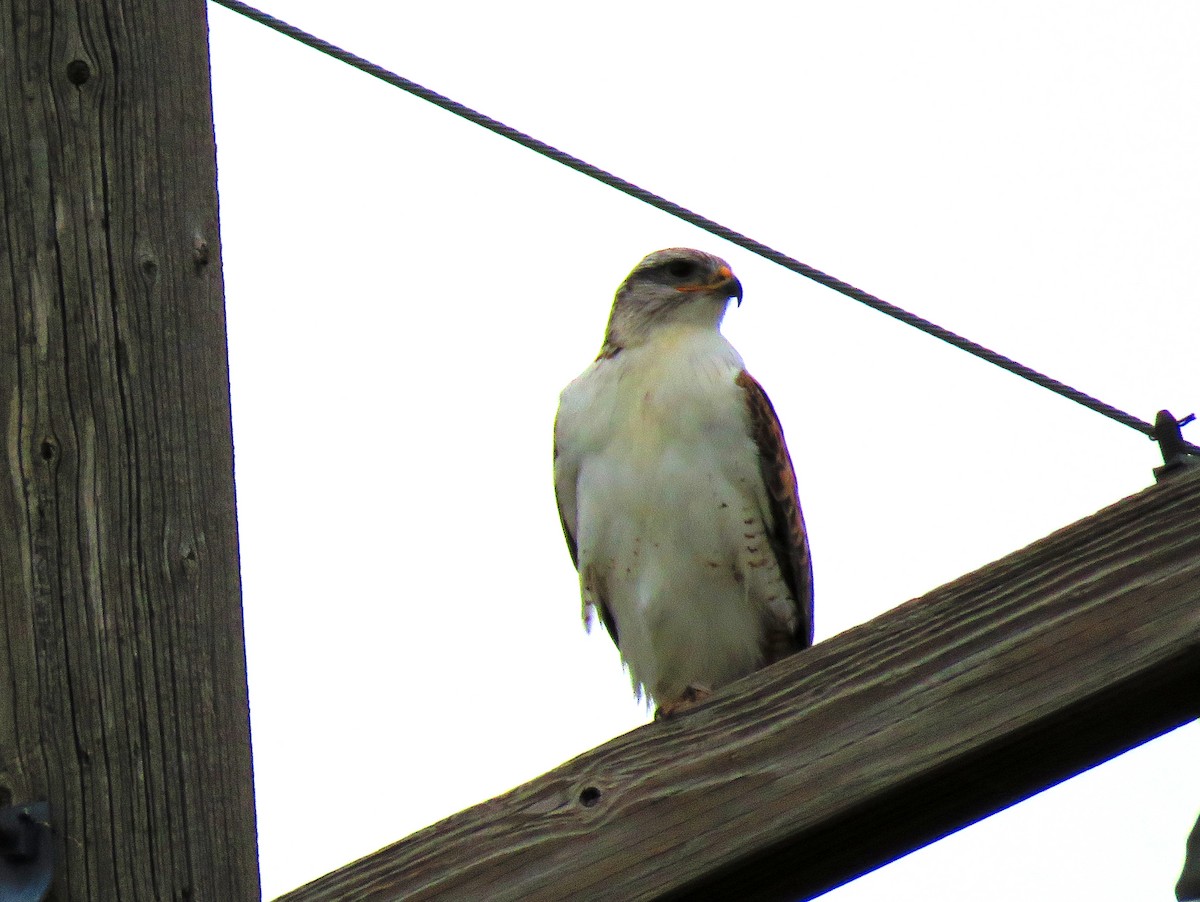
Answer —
696 219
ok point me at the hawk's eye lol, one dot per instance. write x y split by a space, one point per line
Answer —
681 269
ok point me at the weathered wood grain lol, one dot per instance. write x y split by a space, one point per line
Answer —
863 748
122 672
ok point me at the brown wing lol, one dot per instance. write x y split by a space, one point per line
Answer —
786 530
602 611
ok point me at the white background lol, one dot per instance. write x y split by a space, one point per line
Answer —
407 294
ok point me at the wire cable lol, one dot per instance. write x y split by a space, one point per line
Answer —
702 222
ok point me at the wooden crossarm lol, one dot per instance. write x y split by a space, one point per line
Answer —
866 747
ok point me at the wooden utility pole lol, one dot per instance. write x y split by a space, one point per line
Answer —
122 665
863 748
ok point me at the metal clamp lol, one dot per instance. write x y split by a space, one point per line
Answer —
1177 454
26 852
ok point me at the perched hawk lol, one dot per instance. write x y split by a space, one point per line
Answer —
676 491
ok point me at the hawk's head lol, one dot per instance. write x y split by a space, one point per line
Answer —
675 286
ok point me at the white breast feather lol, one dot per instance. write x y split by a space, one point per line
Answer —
659 482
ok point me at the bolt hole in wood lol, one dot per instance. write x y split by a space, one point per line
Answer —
48 449
589 796
78 72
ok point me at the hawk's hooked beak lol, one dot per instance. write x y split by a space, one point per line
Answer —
733 288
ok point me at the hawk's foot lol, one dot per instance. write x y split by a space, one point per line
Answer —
689 698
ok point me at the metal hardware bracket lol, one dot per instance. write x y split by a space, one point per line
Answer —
1175 451
26 852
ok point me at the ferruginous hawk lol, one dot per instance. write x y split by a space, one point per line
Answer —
676 490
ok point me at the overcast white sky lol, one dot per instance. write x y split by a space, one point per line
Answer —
407 294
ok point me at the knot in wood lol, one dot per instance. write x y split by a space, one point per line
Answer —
78 72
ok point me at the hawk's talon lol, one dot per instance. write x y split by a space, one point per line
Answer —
692 696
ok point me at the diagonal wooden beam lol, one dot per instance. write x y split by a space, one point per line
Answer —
859 750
